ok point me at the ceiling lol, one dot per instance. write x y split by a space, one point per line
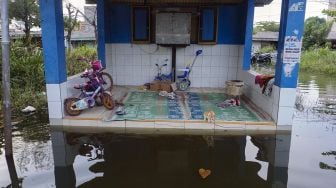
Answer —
207 2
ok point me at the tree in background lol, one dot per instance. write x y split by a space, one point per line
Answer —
315 32
91 17
266 26
26 11
70 22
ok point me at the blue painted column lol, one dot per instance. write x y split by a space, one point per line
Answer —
290 40
53 41
101 30
287 66
54 56
248 35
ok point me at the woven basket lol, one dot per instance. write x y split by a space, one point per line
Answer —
234 87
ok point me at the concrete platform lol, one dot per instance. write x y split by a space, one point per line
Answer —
98 118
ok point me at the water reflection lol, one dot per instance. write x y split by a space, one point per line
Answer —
170 161
305 159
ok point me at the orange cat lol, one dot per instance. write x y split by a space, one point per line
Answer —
209 116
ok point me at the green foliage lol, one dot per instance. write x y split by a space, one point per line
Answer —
266 26
73 65
315 32
267 49
26 11
70 22
331 13
27 69
322 60
27 76
27 73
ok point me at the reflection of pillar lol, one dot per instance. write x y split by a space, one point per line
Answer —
64 157
287 66
54 55
278 168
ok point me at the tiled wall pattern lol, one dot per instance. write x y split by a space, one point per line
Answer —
254 92
280 105
135 65
132 64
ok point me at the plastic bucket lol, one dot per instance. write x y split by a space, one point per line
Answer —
234 87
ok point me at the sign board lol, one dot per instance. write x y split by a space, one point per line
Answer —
173 28
292 50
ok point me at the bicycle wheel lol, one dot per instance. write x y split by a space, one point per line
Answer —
68 107
107 100
107 81
268 62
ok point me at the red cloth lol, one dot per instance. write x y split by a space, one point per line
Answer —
262 80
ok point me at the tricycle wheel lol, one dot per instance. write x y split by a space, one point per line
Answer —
184 84
107 100
68 107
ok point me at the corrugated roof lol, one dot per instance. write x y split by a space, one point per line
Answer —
332 32
266 36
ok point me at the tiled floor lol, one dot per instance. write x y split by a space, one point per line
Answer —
148 111
148 105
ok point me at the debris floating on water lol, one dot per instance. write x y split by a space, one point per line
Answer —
28 109
204 173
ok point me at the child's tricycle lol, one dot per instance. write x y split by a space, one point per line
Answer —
183 82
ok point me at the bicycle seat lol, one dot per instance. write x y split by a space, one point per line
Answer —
185 74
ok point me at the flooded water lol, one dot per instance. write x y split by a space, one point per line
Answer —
304 158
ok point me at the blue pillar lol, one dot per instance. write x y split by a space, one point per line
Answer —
53 41
248 35
289 46
101 30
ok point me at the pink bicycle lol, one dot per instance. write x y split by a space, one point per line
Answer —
97 70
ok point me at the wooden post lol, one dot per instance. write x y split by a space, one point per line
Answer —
12 172
6 79
174 63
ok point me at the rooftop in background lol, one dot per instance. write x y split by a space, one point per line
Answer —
257 2
332 33
266 36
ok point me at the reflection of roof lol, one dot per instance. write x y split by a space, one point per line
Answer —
332 32
266 36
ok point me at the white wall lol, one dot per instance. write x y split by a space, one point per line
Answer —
280 105
134 64
256 46
254 93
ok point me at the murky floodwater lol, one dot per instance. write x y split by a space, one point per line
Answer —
305 158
